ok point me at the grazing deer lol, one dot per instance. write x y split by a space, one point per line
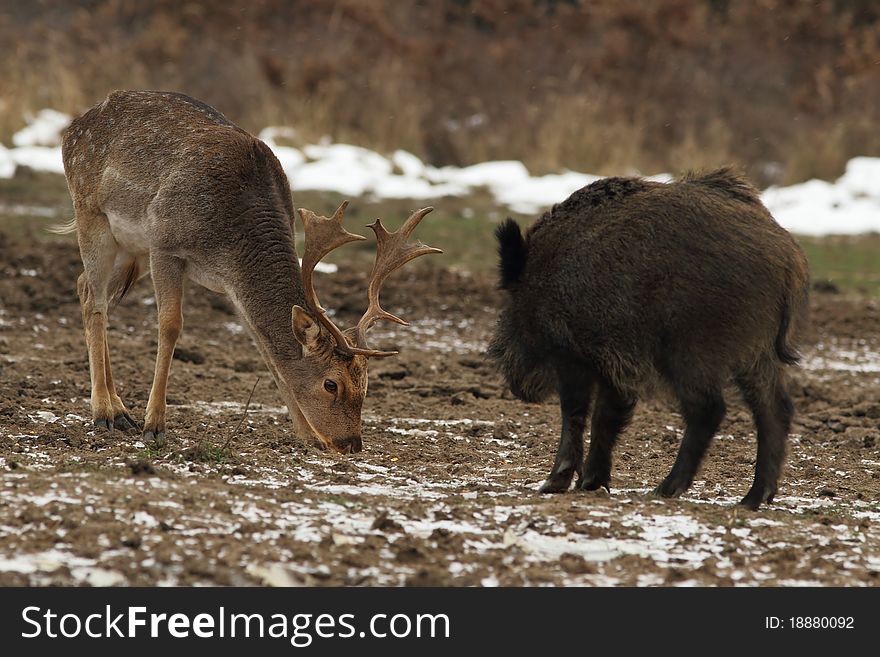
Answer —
628 284
165 185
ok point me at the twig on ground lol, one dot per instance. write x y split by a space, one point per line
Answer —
243 417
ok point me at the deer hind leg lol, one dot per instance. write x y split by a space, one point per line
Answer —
167 272
98 250
122 419
126 271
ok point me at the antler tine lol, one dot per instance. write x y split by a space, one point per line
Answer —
322 235
392 252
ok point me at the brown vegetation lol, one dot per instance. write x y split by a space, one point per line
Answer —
789 89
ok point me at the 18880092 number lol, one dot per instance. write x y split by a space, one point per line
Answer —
821 622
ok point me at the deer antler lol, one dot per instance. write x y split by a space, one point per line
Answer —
392 252
322 236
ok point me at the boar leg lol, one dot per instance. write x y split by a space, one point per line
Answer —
702 415
772 411
575 390
613 411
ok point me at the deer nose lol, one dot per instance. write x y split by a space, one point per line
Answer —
351 445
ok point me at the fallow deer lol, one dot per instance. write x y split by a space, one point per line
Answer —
165 185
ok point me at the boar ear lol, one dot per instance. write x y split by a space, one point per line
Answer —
305 328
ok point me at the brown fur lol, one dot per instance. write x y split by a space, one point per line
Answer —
628 283
163 184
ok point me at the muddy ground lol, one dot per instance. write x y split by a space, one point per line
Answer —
444 492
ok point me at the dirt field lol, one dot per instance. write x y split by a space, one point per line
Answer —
444 492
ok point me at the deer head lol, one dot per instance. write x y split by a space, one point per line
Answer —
331 381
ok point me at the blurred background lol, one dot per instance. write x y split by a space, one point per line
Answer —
789 89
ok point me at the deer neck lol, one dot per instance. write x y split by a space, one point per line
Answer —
265 290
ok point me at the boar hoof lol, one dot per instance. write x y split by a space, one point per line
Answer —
756 496
670 488
556 484
594 483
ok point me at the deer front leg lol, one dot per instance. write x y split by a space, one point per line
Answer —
167 275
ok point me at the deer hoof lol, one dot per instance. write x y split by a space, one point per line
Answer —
125 422
104 423
157 438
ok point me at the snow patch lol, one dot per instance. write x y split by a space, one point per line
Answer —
849 205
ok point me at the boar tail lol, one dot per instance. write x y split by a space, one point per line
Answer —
784 350
512 251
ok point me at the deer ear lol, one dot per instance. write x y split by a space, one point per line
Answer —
305 328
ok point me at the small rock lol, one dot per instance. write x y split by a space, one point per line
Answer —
409 554
141 467
858 435
133 542
428 577
383 523
395 374
188 356
480 393
503 430
575 564
867 409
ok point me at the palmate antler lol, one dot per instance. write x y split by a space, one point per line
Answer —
392 252
323 234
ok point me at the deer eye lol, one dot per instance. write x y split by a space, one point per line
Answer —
330 386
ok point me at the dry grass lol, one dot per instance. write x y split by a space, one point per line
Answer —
788 89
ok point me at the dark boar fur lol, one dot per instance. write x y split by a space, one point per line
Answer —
629 286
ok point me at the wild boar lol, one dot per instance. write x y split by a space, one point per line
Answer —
631 286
